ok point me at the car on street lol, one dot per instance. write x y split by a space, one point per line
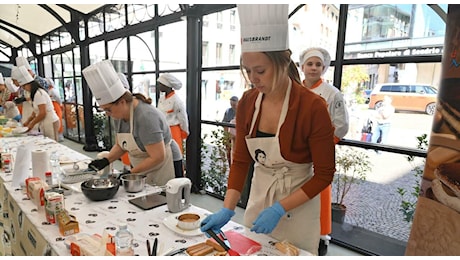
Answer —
407 97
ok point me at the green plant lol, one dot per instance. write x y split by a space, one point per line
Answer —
409 199
100 121
352 166
214 163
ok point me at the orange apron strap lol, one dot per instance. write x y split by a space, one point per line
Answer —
58 110
325 213
176 134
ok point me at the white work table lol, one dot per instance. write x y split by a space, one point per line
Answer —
26 231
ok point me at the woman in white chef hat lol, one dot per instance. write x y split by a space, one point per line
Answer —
23 101
5 93
142 130
314 63
173 107
43 114
290 124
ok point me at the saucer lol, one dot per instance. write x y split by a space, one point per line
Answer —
171 223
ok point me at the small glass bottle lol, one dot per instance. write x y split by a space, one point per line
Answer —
49 178
124 241
7 166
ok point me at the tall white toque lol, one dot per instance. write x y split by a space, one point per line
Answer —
104 82
23 76
22 61
264 27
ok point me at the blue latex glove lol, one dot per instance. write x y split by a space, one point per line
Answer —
268 219
217 220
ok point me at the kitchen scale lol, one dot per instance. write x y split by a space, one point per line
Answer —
149 201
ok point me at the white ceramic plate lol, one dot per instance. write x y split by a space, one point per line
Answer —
19 130
171 223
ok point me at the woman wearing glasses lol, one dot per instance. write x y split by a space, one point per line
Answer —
140 126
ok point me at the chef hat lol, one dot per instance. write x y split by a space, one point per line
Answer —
23 76
264 27
50 82
169 81
10 85
124 80
22 61
316 52
1 79
104 82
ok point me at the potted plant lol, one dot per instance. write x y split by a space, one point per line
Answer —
352 166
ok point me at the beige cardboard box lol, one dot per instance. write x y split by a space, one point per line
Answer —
68 224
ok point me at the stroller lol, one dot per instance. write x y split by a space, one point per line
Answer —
366 132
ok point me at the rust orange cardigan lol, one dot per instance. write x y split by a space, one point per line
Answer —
307 135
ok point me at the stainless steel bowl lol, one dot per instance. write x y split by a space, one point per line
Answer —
133 182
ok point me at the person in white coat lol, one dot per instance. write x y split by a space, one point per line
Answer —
315 62
173 107
43 113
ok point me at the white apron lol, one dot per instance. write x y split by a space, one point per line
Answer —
49 126
274 179
158 175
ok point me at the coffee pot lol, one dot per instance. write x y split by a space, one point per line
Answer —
178 194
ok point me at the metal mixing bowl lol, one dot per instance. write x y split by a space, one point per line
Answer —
133 182
100 189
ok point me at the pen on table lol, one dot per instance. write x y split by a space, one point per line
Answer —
148 248
155 245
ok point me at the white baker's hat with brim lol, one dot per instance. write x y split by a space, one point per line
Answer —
10 85
170 81
22 61
104 82
23 76
264 27
321 53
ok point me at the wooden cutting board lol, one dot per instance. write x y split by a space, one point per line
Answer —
242 244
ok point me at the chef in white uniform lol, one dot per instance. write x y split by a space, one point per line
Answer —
286 122
43 114
142 130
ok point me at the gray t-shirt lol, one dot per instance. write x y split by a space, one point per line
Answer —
149 127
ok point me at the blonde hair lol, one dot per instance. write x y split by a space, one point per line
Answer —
283 63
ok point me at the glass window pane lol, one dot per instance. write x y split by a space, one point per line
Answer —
115 17
47 65
221 50
217 88
165 9
58 68
173 46
67 59
320 20
66 38
143 51
96 25
118 54
145 84
77 67
410 107
137 13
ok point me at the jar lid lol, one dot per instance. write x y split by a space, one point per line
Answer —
48 173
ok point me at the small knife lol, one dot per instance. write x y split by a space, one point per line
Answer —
176 251
224 238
